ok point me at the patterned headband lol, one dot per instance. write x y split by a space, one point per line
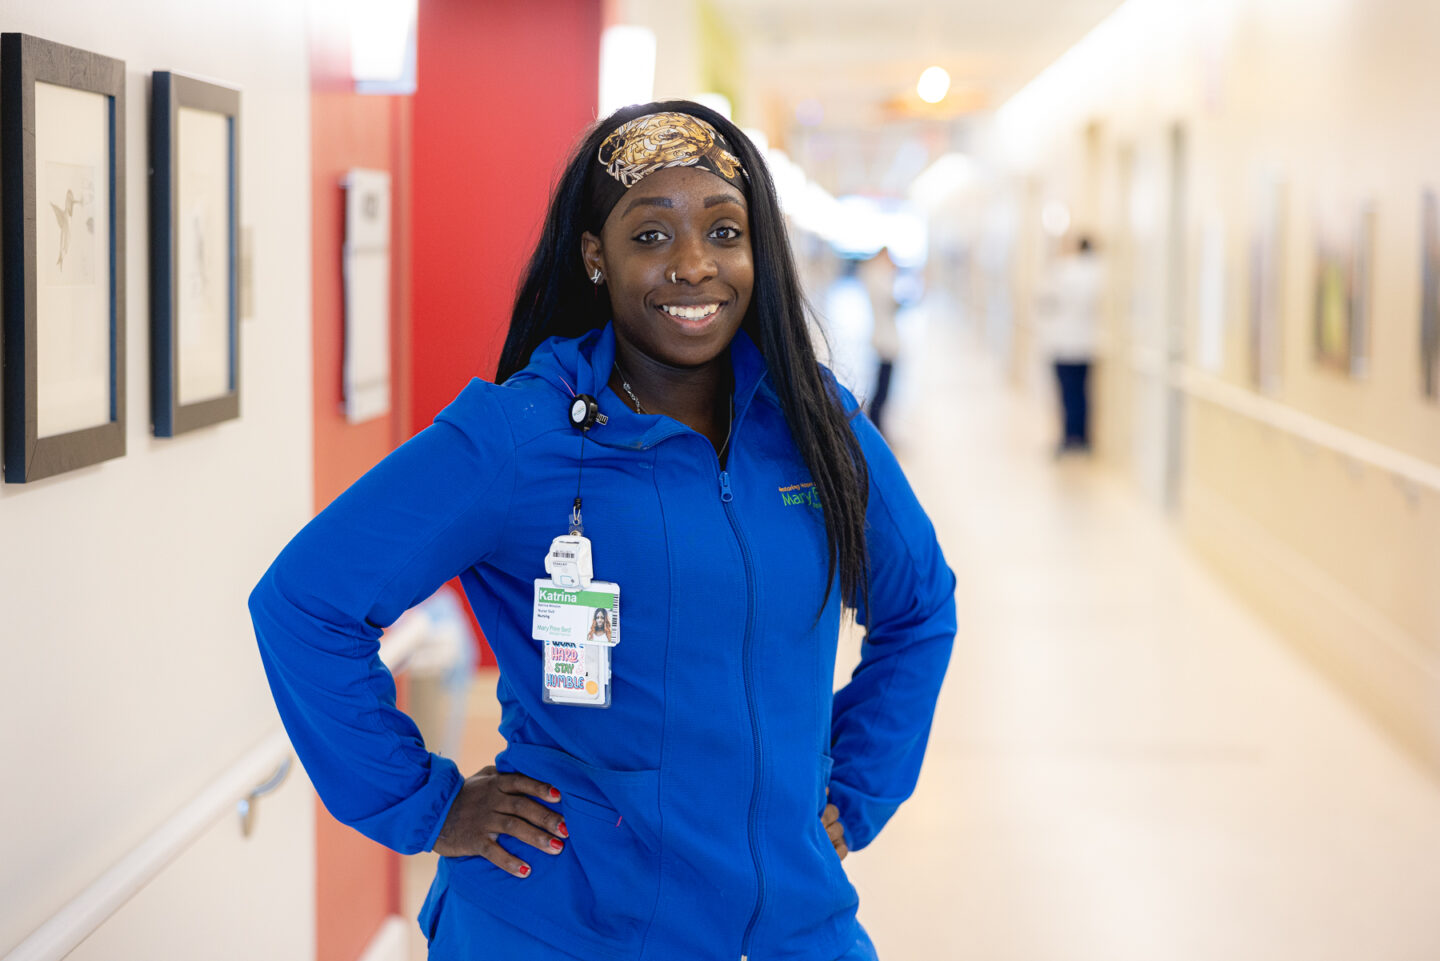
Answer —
639 147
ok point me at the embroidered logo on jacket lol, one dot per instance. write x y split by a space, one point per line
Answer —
796 495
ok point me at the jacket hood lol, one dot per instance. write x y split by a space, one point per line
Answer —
582 365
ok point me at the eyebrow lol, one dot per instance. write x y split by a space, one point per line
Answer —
714 200
649 202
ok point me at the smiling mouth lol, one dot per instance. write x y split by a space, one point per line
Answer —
697 312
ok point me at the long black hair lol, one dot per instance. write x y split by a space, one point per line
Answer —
557 299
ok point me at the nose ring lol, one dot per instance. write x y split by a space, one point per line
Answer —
673 279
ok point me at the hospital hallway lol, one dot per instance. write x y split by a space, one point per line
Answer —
1146 292
1125 765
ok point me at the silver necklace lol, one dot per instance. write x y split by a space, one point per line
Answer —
640 408
625 383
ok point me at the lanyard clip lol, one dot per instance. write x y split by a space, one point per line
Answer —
577 526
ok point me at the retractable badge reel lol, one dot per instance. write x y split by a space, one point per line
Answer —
576 617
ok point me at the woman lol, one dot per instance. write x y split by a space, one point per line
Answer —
599 626
736 498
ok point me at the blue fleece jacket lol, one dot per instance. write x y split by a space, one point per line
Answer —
694 801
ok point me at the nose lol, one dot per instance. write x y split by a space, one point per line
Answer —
691 262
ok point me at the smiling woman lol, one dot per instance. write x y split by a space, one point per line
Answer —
704 811
677 258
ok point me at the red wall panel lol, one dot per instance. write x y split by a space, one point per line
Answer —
505 90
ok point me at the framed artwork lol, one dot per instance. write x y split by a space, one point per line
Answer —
194 257
1430 294
1210 330
1344 265
62 219
367 294
1266 276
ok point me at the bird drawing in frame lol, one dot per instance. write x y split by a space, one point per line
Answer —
63 218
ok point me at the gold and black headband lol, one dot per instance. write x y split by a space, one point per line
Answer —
657 141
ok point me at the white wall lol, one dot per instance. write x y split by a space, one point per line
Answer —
132 677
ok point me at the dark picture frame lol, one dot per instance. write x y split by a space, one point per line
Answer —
1343 295
58 140
1266 283
194 287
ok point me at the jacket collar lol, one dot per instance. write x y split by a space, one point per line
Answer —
583 365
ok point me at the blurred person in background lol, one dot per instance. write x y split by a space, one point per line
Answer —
1069 325
878 275
694 798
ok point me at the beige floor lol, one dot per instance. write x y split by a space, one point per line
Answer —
1125 765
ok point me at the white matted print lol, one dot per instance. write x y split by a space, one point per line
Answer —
367 294
1267 250
73 320
1210 332
202 251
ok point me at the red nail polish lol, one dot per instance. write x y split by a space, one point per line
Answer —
564 831
524 870
554 794
556 845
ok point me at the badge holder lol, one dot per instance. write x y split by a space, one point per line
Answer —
576 618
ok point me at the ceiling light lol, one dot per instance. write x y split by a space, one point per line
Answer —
934 84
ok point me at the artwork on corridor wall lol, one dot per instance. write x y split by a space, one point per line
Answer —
1266 276
1342 289
367 294
1430 294
1210 331
194 255
62 146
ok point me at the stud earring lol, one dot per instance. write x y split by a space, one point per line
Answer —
596 276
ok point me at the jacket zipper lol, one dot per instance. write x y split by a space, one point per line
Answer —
726 497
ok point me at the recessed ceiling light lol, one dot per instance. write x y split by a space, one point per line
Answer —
934 84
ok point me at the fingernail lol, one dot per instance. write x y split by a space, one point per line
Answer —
554 794
524 870
564 831
557 845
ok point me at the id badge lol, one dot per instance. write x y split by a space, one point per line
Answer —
577 630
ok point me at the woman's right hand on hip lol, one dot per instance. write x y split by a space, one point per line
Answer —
491 804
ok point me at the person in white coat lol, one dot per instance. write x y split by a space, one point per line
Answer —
1069 332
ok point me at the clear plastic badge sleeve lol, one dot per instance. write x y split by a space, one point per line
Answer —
577 630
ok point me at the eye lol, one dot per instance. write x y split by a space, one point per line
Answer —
650 237
726 233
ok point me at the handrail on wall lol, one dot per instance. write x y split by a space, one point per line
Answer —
255 774
1246 403
1406 468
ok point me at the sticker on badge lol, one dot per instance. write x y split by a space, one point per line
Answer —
577 629
577 674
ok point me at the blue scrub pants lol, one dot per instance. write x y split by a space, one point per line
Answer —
1074 403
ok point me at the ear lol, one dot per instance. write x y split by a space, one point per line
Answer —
591 254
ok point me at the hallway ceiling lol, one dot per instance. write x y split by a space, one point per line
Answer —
860 59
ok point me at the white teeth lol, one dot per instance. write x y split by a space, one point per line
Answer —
691 313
